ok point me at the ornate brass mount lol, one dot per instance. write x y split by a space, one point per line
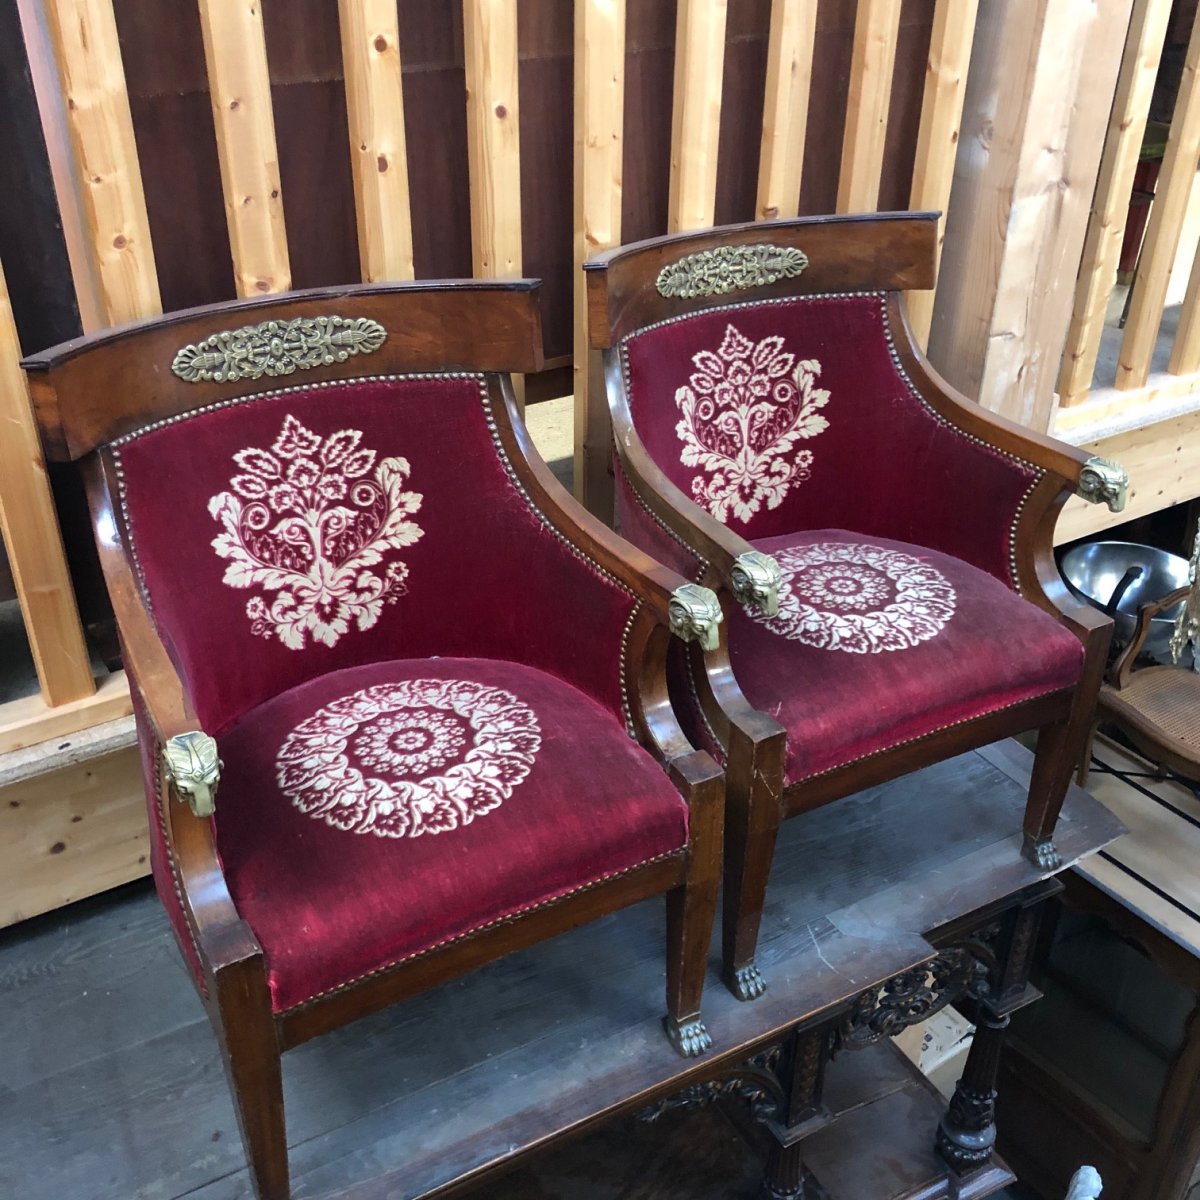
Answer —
194 769
755 580
1187 624
1104 482
728 269
694 614
277 348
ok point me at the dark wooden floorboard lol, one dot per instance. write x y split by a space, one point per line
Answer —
110 1087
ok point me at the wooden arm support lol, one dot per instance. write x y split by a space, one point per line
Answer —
221 936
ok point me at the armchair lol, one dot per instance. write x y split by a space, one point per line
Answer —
883 544
402 703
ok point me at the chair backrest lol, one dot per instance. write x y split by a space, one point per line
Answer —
769 374
318 480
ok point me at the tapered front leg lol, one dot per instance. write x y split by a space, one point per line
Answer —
250 1051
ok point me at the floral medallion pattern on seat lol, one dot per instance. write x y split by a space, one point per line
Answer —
859 598
742 412
403 759
309 520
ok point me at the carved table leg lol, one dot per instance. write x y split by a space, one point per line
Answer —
967 1132
785 1177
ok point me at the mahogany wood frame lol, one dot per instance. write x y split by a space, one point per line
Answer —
890 253
93 390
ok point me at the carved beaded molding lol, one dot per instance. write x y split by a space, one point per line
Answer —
893 354
725 269
277 348
317 384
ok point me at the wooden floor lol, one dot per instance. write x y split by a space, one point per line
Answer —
111 1088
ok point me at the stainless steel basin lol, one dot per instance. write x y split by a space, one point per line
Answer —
1094 569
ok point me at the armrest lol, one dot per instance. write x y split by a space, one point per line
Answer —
1095 479
222 936
690 612
753 577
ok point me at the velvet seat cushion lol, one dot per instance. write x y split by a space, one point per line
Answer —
379 811
879 642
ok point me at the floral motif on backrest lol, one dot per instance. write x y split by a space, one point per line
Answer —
744 410
285 534
311 525
792 414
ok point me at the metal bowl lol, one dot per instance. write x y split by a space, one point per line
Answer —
1093 570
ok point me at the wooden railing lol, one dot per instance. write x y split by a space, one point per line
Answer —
76 62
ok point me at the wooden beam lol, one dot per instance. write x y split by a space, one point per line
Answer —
876 26
29 720
239 86
785 107
1163 461
493 135
599 144
937 139
1110 207
696 113
378 150
1032 134
1167 213
31 535
83 34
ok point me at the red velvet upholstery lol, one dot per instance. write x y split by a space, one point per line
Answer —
837 436
879 642
358 830
413 556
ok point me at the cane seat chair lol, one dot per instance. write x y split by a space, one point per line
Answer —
431 687
883 545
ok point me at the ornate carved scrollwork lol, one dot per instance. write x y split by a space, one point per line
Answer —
277 348
729 269
694 614
755 581
915 995
194 769
1104 482
754 1081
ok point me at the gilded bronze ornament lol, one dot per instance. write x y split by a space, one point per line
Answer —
277 348
755 580
729 269
694 614
194 770
1104 482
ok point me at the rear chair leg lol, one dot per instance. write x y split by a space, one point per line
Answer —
249 1043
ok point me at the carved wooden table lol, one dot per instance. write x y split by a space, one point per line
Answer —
883 906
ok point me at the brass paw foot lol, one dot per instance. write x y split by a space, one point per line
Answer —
747 982
1042 854
689 1037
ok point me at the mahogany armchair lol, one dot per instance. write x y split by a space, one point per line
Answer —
883 544
431 687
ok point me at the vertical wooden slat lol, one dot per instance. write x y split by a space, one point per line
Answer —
493 135
1175 182
696 113
937 140
1185 350
876 27
378 151
785 107
235 51
31 535
1110 208
1044 74
599 142
84 36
